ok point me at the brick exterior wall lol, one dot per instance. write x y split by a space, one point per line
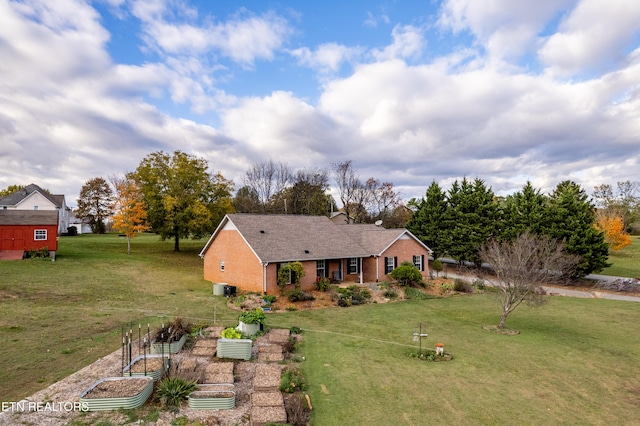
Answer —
241 266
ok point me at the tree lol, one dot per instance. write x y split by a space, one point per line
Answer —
571 220
183 199
427 222
613 228
522 266
247 201
470 220
526 209
130 211
10 190
308 194
266 179
95 204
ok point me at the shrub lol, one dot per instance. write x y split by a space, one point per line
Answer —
436 265
407 274
298 412
415 294
255 316
172 391
390 294
292 380
323 284
462 286
298 295
352 295
230 333
269 298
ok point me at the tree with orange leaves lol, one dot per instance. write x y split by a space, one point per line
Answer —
613 227
131 213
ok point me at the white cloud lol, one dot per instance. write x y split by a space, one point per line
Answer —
594 36
408 42
505 28
327 57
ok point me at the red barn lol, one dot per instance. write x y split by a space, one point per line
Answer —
23 230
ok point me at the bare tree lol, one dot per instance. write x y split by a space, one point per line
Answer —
523 266
266 179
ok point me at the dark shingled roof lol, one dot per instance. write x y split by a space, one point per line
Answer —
28 217
15 197
283 238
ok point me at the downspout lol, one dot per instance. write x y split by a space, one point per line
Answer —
264 277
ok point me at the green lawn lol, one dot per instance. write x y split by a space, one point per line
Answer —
626 262
575 361
57 317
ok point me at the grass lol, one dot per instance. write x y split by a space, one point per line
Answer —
626 262
57 317
575 361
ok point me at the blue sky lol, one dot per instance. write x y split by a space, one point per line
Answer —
412 91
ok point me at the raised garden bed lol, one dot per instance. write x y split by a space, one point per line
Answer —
113 393
234 348
150 365
213 397
168 348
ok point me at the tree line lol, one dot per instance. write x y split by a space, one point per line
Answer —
459 221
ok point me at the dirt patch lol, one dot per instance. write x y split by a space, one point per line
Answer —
117 388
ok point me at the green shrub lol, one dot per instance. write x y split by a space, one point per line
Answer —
292 380
230 333
437 266
172 391
415 294
255 316
298 295
407 274
323 284
269 298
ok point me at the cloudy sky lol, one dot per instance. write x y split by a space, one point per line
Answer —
412 91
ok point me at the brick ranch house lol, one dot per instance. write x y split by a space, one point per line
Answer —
23 230
246 251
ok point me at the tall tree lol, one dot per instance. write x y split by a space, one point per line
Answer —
130 214
572 220
247 201
526 209
522 266
266 179
427 222
470 220
183 198
95 204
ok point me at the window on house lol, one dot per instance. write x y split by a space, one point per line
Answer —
353 266
390 264
40 234
321 268
418 262
221 264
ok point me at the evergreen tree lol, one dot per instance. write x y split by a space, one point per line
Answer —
427 221
526 209
572 220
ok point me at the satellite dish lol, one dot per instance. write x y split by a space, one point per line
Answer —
378 223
